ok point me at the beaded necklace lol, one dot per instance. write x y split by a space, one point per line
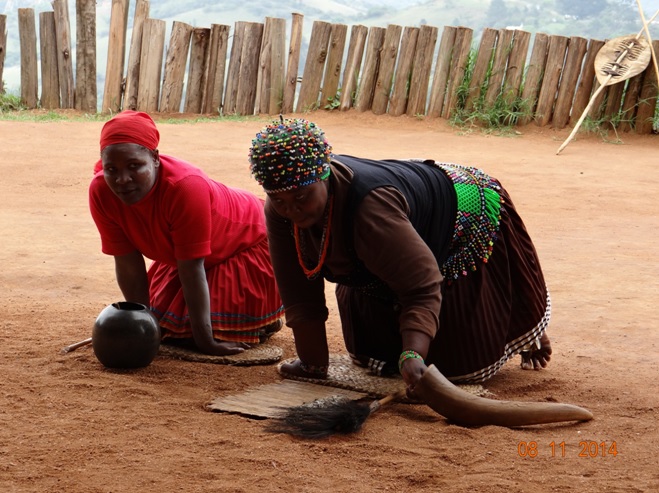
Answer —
324 242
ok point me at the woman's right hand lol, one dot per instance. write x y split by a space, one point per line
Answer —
413 370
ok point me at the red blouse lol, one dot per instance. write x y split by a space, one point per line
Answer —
186 215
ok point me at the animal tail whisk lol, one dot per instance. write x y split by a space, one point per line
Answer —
336 415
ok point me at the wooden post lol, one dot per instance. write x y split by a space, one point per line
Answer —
114 73
628 111
423 58
177 56
215 68
233 74
385 80
586 80
459 61
314 67
534 74
647 102
614 100
484 57
3 49
364 97
337 44
568 86
516 61
197 69
135 55
270 80
551 79
29 69
358 35
64 59
249 69
293 63
499 64
49 75
151 54
86 98
398 101
597 101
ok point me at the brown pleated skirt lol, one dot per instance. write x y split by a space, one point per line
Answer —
487 316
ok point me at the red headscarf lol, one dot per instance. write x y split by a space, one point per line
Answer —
129 127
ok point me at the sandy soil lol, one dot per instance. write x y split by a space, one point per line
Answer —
69 425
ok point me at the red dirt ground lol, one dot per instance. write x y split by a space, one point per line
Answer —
69 425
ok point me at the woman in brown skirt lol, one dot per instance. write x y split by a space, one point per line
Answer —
431 262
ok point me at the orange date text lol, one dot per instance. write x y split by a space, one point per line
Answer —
586 449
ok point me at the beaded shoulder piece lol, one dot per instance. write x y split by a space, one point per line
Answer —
477 219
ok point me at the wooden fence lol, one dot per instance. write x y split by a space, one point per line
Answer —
391 70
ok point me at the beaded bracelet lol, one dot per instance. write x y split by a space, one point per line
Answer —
405 355
319 371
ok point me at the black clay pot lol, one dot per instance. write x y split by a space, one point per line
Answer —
126 335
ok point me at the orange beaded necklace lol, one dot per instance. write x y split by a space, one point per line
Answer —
324 242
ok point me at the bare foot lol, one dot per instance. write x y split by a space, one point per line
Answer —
297 368
536 359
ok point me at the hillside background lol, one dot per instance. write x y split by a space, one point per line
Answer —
599 19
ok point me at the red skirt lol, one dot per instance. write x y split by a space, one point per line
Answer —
243 296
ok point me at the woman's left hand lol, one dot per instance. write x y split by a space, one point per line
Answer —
412 371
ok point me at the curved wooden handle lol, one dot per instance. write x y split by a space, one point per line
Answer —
75 346
467 409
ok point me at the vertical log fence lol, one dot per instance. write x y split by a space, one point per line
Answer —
396 70
134 55
49 75
353 66
85 94
64 59
3 49
28 40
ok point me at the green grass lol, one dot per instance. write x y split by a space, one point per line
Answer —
499 117
10 103
218 118
11 109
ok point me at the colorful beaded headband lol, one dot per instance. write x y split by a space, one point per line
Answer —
289 154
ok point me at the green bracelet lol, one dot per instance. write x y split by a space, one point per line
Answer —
405 355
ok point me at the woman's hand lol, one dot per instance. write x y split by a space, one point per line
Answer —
197 298
416 344
226 348
412 371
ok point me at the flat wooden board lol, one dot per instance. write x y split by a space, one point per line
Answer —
268 401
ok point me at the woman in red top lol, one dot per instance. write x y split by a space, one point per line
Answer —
211 280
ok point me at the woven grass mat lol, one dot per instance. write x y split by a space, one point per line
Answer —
268 401
262 354
344 374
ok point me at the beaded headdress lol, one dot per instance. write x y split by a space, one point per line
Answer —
289 154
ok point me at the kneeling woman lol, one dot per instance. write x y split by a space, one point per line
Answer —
211 283
431 261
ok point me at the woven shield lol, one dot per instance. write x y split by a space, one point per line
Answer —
622 58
